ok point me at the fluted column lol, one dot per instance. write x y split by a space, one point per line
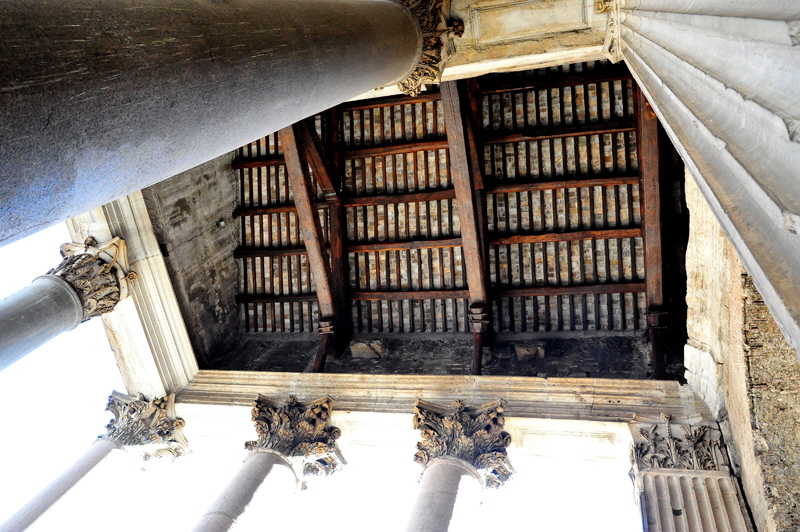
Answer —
724 78
103 98
150 425
462 450
683 478
295 436
89 282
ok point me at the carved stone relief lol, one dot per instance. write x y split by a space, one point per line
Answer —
697 447
612 45
437 32
152 424
97 272
474 435
300 432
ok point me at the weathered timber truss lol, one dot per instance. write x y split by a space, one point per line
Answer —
507 203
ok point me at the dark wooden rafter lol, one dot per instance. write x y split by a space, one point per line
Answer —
596 128
463 147
301 186
649 168
555 80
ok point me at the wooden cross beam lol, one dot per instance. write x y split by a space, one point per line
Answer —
649 169
304 196
468 185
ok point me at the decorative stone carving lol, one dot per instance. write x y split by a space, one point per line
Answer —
474 435
98 273
301 433
699 447
612 45
437 33
152 424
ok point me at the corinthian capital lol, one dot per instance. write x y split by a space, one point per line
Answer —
474 435
437 32
612 45
299 432
97 272
669 445
152 424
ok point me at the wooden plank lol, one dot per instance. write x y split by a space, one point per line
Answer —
312 146
555 80
608 288
544 133
464 186
257 162
300 183
243 299
272 209
600 234
570 183
649 168
394 149
409 295
414 244
388 101
246 251
389 199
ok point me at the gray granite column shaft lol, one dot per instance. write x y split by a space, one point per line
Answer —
239 492
446 484
40 311
100 99
52 493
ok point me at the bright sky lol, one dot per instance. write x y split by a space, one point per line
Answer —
52 404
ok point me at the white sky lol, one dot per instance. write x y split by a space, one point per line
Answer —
52 404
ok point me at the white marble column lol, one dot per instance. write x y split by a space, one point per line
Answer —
683 479
462 449
293 440
90 281
723 76
137 422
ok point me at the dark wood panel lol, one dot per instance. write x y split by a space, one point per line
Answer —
244 299
414 244
257 162
409 295
611 288
388 199
570 183
566 237
544 133
242 252
394 149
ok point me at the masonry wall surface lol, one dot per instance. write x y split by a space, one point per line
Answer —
192 220
739 362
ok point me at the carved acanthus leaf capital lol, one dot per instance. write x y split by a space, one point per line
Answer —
97 272
300 432
697 447
612 45
437 32
152 424
474 435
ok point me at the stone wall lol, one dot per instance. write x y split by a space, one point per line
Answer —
192 220
740 364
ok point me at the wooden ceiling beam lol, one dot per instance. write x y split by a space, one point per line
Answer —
510 188
571 236
557 132
395 149
463 162
304 194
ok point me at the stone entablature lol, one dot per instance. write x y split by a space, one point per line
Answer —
474 435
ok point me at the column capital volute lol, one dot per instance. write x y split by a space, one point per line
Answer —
474 435
152 426
98 272
678 444
438 30
300 432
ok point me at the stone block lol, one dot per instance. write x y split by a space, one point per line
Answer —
529 351
368 349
